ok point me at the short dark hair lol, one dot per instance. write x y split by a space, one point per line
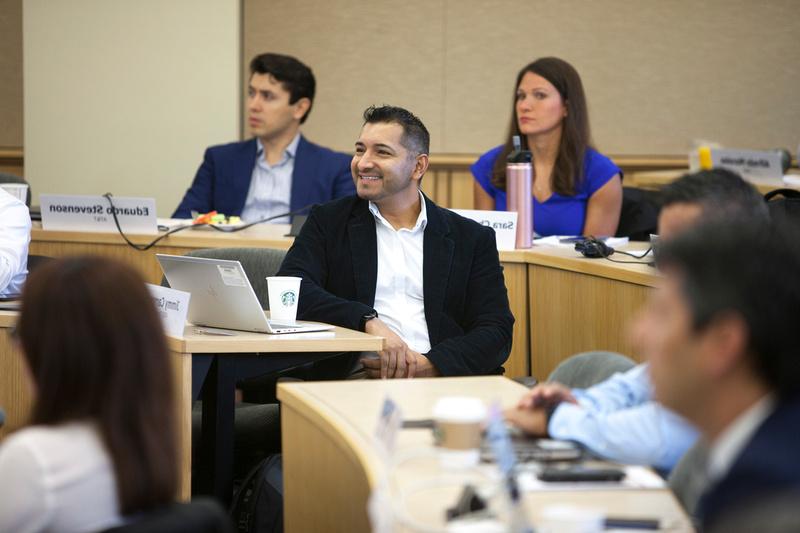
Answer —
94 345
720 193
749 268
576 135
295 77
415 135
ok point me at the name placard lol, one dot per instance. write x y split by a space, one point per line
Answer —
94 213
504 224
172 306
749 163
389 423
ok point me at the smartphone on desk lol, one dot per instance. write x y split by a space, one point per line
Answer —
580 472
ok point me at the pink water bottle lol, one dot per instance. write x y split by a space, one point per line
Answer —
519 179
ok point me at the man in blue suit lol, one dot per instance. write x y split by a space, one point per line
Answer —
277 171
721 341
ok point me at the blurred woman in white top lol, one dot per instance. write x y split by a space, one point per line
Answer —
101 445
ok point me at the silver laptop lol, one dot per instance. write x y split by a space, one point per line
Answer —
222 296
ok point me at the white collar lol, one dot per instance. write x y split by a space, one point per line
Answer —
291 149
730 443
422 218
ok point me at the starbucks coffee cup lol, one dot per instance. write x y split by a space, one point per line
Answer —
458 423
284 294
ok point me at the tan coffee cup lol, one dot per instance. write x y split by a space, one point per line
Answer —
458 423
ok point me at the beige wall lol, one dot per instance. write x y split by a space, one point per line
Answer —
10 73
657 74
123 96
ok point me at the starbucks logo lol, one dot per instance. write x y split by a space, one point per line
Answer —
288 298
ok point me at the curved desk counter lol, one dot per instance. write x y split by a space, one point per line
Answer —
563 303
331 464
60 243
578 304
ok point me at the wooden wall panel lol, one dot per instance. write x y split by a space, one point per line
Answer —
657 74
11 77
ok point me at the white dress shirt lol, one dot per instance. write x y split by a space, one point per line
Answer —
270 191
399 297
57 478
730 443
15 235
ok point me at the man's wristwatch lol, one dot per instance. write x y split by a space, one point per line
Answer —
366 317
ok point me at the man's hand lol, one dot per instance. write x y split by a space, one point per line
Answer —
424 367
397 360
546 395
531 421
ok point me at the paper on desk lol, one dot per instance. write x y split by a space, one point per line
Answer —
172 223
309 335
636 477
793 180
554 240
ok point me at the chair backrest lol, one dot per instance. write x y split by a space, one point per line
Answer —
784 206
687 480
258 263
639 215
35 261
202 515
589 368
5 177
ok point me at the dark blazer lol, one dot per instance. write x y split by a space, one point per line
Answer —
223 179
466 303
768 466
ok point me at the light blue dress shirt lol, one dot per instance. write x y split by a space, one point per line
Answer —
618 419
270 190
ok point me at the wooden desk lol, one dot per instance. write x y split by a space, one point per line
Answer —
330 464
62 243
658 178
578 304
15 394
211 364
214 364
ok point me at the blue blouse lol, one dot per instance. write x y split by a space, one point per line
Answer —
558 215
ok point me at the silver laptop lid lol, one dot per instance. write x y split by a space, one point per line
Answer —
222 296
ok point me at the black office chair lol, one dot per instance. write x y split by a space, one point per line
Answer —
639 215
35 261
784 206
202 515
5 177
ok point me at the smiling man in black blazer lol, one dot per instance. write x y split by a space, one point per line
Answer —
392 263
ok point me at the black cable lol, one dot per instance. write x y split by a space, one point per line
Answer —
143 247
628 262
633 255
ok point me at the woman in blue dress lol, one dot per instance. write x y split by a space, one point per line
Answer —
576 189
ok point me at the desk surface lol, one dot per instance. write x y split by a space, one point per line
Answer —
656 179
336 340
344 414
566 258
262 235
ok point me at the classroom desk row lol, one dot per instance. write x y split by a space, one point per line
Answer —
563 303
205 367
332 465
